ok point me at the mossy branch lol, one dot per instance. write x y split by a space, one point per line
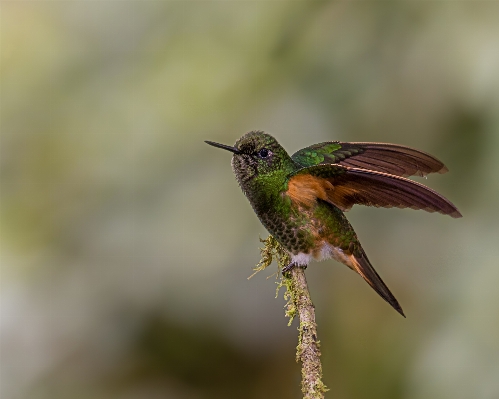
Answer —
298 303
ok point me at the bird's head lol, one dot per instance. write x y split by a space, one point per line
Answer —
257 154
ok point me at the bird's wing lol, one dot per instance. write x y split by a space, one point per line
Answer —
382 157
344 186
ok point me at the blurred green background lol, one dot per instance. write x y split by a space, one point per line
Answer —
126 242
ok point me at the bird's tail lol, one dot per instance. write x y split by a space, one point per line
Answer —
362 266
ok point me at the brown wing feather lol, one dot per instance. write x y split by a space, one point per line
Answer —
366 187
393 159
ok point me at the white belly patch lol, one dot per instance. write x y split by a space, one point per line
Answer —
327 251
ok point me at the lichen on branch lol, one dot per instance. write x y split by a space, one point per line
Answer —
298 302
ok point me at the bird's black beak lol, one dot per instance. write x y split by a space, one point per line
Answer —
224 147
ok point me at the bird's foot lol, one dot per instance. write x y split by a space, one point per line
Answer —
289 267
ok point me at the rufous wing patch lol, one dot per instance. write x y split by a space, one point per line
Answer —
342 196
305 189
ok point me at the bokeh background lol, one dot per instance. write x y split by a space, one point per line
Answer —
126 242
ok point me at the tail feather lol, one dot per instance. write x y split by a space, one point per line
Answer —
362 266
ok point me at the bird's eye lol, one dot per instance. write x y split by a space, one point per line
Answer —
263 153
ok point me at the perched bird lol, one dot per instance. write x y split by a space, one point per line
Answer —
301 199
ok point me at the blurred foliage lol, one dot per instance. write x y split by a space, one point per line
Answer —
113 209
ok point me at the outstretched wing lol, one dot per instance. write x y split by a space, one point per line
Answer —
343 187
382 157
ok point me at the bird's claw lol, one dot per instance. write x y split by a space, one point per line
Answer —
290 267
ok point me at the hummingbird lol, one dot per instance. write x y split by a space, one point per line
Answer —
302 199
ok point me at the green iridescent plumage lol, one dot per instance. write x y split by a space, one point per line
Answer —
382 157
301 199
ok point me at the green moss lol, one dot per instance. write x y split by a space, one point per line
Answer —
290 296
270 251
295 296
